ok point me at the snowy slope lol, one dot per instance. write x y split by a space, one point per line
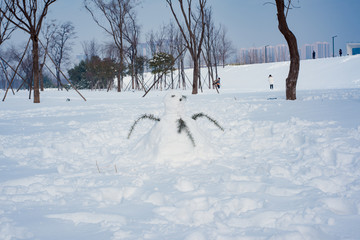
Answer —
283 170
325 73
328 73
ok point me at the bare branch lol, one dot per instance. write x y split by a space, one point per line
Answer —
5 25
193 39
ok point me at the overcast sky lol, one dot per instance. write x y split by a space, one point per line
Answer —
249 23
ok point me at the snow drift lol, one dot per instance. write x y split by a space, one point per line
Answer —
285 169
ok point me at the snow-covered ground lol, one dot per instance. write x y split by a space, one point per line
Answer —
280 170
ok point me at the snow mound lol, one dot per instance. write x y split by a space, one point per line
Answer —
176 139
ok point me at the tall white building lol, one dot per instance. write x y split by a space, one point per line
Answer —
269 54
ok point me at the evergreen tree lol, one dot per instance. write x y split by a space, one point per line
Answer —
78 76
161 63
139 68
47 81
94 73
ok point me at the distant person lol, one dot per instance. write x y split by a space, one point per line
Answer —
340 52
314 54
271 81
217 82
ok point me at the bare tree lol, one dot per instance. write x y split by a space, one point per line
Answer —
5 24
157 42
215 45
91 49
110 50
131 34
192 32
29 16
26 68
172 47
179 43
48 32
291 80
8 59
210 39
5 32
61 47
225 46
24 62
116 13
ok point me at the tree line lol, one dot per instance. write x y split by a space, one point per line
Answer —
192 34
113 60
168 46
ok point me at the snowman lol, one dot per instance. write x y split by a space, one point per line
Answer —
175 139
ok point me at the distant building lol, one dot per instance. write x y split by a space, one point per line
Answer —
270 54
306 52
144 50
242 56
353 48
280 53
322 49
264 54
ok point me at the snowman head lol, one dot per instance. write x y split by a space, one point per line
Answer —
174 103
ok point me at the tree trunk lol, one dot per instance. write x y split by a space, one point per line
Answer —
133 73
58 70
291 80
35 42
132 82
121 64
210 69
41 78
195 76
183 74
58 81
215 65
179 74
200 84
119 82
172 79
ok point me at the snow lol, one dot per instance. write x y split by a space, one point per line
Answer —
280 170
164 144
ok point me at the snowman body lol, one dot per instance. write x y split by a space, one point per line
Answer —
165 144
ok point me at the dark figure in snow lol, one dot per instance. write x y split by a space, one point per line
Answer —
217 82
271 81
314 54
340 52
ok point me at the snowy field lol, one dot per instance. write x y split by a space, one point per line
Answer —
280 170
